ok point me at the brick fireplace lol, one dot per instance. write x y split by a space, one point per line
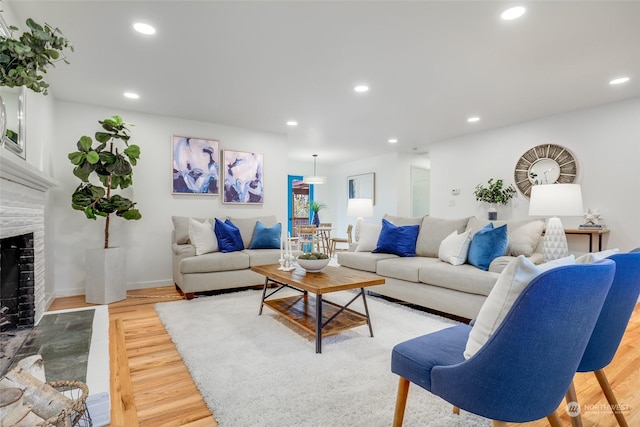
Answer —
22 223
17 302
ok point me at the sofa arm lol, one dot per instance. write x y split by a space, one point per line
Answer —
183 251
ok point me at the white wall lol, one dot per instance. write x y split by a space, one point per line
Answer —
148 241
605 141
392 187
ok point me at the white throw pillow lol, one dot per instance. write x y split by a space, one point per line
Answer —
368 237
596 256
454 248
512 281
524 239
202 237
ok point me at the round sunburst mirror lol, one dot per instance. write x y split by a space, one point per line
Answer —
545 164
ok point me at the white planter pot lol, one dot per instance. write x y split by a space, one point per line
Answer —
106 275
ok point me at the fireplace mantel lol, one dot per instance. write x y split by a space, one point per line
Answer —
21 172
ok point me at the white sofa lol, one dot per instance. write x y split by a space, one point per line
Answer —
427 281
217 270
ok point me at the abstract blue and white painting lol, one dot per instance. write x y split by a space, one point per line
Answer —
196 167
243 177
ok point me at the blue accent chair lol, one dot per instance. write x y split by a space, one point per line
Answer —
609 329
523 371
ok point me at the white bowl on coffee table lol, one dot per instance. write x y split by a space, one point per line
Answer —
313 265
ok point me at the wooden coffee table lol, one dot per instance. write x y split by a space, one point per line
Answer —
316 315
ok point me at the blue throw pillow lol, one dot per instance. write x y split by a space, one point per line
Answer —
396 240
487 244
228 235
266 238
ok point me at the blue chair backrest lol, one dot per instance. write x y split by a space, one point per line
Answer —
615 314
524 370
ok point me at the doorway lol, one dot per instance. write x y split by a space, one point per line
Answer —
300 195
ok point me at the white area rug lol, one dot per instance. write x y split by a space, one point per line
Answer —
257 371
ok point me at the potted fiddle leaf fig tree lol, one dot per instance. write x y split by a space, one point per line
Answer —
103 167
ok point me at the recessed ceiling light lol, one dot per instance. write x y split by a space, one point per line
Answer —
144 28
131 95
393 141
619 81
292 123
473 119
513 13
361 88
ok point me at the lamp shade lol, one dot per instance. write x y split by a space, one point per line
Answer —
314 179
360 208
556 200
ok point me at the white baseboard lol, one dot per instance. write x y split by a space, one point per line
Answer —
71 292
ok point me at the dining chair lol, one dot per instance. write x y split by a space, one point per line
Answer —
324 237
346 240
610 327
307 238
524 369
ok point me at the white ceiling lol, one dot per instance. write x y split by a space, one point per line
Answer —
430 65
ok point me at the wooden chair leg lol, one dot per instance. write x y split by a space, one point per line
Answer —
401 401
456 410
576 419
498 423
554 419
611 398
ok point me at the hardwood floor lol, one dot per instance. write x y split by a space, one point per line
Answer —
150 386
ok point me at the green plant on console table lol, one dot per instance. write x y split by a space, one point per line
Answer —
112 168
24 60
494 192
313 255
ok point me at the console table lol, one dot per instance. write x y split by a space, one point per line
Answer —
590 233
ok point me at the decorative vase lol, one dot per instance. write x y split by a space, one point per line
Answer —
492 212
316 219
106 275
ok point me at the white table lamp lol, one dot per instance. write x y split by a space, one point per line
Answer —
555 200
360 208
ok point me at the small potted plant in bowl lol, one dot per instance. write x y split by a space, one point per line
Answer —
313 262
494 193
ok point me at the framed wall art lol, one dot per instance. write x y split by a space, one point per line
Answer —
362 186
243 177
196 166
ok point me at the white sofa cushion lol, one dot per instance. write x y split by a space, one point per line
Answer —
590 257
433 231
523 237
368 236
202 236
365 261
248 225
454 248
508 287
215 261
403 220
403 268
464 278
181 228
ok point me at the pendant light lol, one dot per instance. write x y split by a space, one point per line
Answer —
314 179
